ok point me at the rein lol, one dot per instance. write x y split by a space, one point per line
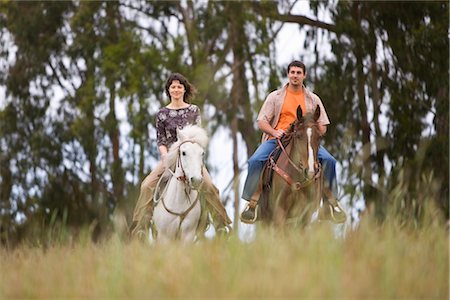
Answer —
288 157
182 215
296 185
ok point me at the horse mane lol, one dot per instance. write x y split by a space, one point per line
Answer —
192 133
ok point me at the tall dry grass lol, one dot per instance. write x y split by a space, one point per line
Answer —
386 261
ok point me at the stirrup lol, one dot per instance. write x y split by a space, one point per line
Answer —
249 221
329 212
141 235
224 230
338 215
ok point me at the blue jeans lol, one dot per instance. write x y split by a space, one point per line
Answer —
257 161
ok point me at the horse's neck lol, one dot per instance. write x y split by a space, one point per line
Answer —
176 194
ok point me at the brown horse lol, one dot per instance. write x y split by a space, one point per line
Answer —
292 184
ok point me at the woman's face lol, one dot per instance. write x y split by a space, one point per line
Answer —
176 90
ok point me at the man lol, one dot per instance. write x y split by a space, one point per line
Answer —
277 113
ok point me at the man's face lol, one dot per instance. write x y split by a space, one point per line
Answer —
296 76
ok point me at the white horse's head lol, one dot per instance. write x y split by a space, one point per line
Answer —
190 151
191 162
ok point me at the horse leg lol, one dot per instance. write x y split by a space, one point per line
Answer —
163 239
188 228
188 236
165 223
281 208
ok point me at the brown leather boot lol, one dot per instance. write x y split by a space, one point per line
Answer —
250 214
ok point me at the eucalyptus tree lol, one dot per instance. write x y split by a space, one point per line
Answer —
29 141
385 86
63 159
217 44
381 87
84 81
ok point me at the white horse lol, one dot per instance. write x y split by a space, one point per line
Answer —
177 207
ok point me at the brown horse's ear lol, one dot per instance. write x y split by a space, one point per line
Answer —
317 113
299 113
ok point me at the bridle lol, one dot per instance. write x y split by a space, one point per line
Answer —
296 185
183 178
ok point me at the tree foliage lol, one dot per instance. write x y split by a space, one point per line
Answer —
84 80
384 55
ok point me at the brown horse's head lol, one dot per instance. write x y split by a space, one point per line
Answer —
305 139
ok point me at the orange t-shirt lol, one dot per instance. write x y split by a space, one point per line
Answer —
289 110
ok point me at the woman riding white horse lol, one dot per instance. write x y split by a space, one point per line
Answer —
177 203
176 115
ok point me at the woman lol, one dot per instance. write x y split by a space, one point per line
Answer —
177 114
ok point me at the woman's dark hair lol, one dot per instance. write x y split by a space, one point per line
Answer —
297 63
189 88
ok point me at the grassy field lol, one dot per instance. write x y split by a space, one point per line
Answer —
372 262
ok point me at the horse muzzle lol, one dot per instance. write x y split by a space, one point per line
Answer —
195 183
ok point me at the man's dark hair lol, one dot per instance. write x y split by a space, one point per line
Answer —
189 88
297 63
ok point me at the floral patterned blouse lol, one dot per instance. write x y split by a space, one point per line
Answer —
168 120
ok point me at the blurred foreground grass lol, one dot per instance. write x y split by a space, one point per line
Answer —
373 262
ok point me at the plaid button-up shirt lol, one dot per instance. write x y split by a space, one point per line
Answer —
271 109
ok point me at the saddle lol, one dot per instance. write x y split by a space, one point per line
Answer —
267 174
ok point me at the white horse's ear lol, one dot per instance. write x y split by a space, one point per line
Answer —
180 135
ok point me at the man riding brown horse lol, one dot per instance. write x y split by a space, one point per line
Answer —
277 114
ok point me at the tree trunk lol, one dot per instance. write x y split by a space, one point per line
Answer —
362 106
